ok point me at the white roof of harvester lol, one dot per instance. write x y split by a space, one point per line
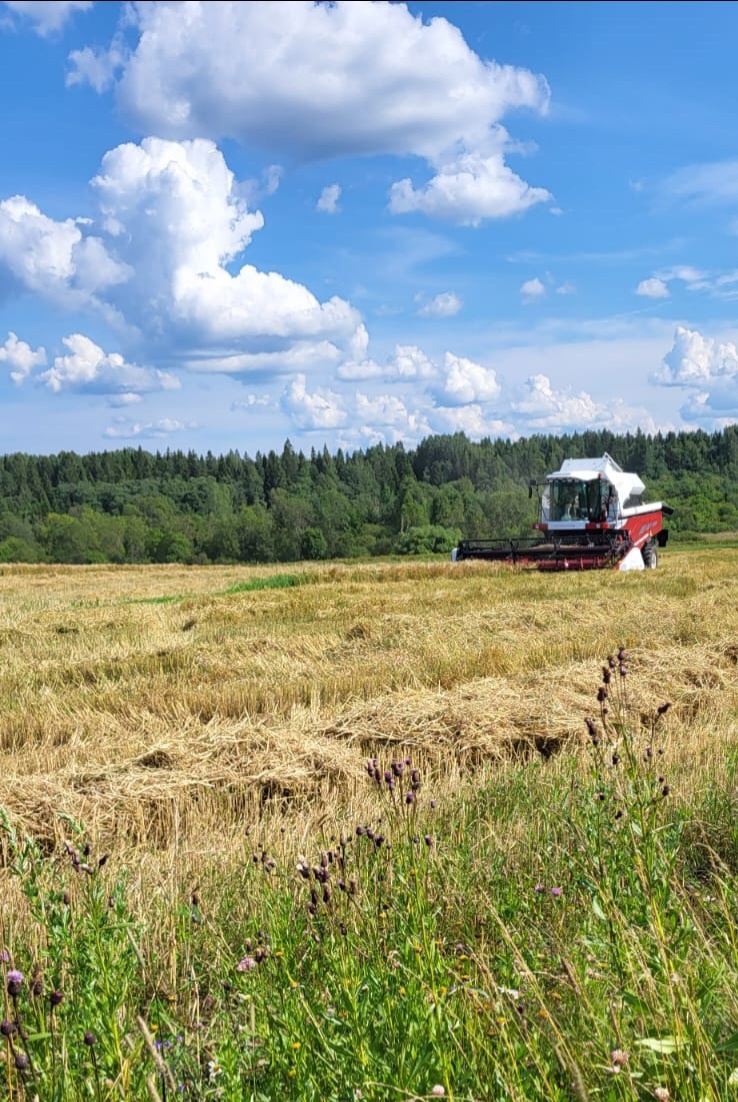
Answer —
587 469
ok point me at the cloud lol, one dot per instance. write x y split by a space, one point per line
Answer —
652 288
466 381
165 264
714 409
407 362
471 420
47 16
320 410
387 418
20 358
444 305
532 289
55 259
545 409
328 200
695 360
128 430
712 182
128 398
468 189
176 217
329 82
87 367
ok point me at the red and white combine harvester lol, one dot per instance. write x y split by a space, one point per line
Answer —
592 515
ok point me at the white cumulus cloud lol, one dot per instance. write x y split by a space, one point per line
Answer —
47 16
319 410
87 366
328 199
128 430
20 357
162 261
471 420
468 189
466 381
696 360
444 305
543 408
652 288
532 289
54 259
176 217
406 362
331 80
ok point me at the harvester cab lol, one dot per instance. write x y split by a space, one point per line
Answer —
592 515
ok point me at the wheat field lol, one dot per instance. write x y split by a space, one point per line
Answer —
168 705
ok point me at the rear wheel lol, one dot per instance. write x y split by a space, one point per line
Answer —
651 555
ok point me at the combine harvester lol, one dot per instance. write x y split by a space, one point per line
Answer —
592 515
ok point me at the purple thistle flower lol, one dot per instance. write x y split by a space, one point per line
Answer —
539 888
4 956
8 1029
246 964
21 1061
56 997
90 1039
556 892
15 983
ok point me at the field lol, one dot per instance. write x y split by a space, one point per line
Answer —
209 894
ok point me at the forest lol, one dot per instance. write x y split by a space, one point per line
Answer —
134 506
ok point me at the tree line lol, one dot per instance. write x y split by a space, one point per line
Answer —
134 506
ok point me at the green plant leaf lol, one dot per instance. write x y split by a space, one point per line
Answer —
664 1045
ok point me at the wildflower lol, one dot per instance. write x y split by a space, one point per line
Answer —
556 892
539 888
428 840
621 654
4 956
8 1029
15 983
590 726
616 758
409 797
438 1091
90 1039
246 964
661 1094
665 790
602 694
623 669
619 1058
21 1061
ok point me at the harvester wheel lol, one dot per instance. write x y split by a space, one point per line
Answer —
651 555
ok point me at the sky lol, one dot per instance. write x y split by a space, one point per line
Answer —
225 225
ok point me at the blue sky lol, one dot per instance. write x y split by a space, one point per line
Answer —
223 225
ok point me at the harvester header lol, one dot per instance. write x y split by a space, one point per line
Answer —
592 515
